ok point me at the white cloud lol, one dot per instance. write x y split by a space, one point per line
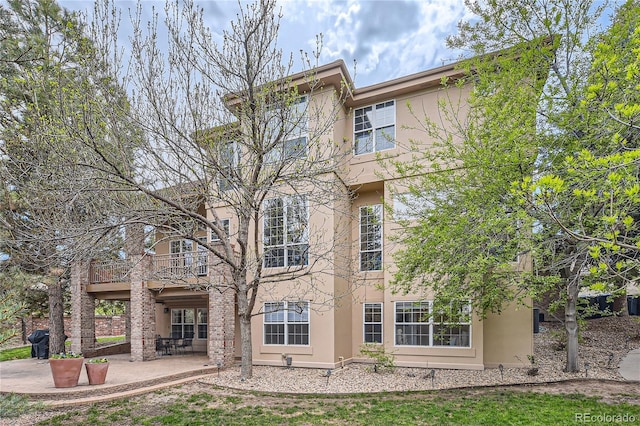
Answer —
387 38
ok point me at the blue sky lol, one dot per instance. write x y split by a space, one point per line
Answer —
387 38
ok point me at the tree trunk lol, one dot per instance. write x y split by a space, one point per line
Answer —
246 364
56 314
571 323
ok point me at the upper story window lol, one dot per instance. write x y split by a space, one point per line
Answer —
374 127
371 238
229 160
291 127
285 233
225 224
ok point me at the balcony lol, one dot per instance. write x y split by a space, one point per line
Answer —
163 267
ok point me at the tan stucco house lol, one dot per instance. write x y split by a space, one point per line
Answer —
374 121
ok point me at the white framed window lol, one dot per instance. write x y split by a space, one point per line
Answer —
416 324
452 325
372 321
412 324
185 261
201 322
374 127
371 238
202 261
229 160
286 323
291 127
182 323
285 232
226 226
181 254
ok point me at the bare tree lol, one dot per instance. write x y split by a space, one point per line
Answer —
227 129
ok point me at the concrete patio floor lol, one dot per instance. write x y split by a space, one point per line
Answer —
32 378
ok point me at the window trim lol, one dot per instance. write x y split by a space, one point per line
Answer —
365 323
374 128
286 321
199 323
380 214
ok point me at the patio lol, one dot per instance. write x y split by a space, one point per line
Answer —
32 378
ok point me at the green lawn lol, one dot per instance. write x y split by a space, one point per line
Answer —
25 351
479 407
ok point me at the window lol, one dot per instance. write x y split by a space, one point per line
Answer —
201 317
452 325
182 258
229 160
290 126
181 253
412 324
182 323
286 323
374 128
371 238
418 324
372 323
285 234
225 225
202 266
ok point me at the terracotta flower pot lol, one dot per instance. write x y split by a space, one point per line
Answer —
97 372
66 371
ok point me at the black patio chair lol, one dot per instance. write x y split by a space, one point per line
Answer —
186 343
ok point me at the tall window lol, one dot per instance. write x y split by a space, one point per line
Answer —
182 323
225 224
185 262
372 323
181 252
286 323
201 320
229 160
418 324
285 233
374 127
371 238
290 126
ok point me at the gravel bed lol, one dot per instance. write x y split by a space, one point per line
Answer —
605 342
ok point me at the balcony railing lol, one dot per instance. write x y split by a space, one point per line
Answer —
179 266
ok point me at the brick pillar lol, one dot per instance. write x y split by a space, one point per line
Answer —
143 313
127 321
83 308
142 302
220 344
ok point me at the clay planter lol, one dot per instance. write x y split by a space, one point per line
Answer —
66 371
97 372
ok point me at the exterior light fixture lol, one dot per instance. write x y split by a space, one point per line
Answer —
501 368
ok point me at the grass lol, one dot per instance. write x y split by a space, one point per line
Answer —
24 352
410 408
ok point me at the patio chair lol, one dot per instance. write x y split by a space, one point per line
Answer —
186 343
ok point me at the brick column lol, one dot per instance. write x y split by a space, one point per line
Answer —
83 308
127 321
142 302
143 313
220 344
